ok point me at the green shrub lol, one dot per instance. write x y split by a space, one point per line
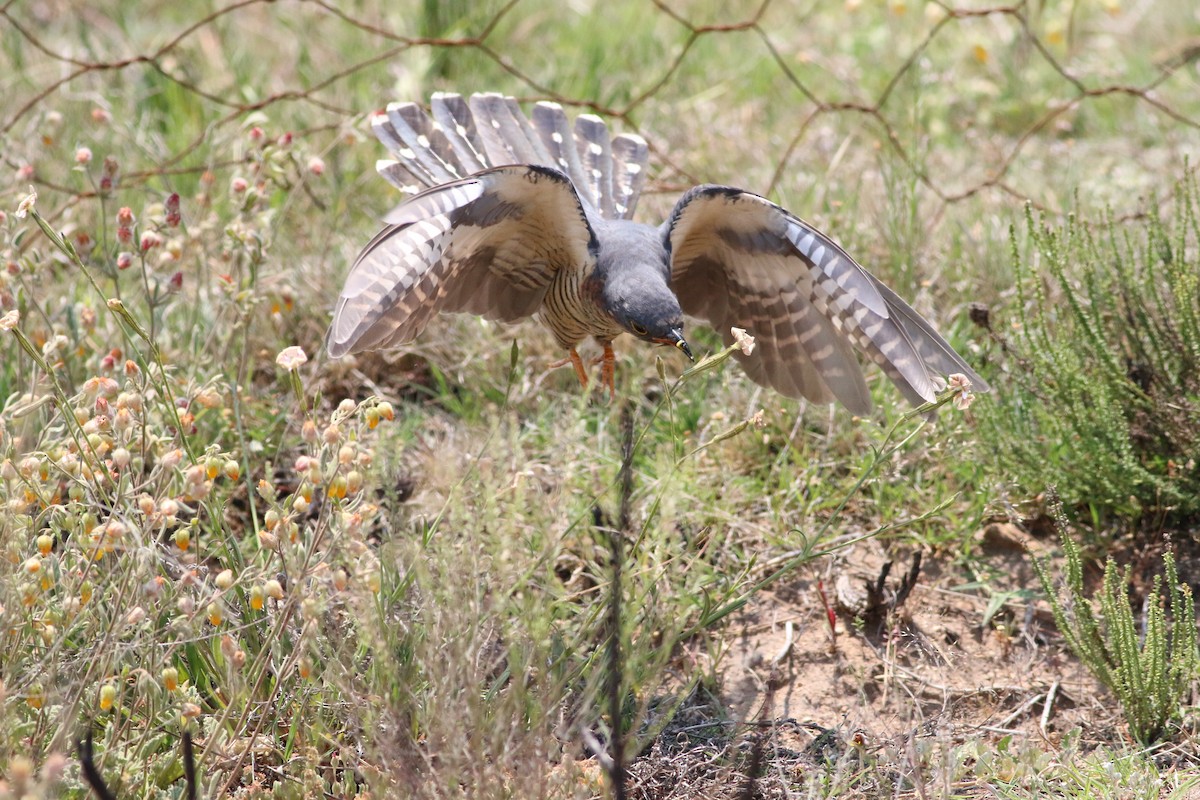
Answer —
1102 392
1151 670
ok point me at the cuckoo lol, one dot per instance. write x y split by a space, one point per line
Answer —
514 216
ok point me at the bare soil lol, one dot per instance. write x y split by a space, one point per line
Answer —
947 665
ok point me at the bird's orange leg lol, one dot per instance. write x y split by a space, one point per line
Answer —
576 361
608 370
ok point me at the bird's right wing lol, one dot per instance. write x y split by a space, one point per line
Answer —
489 244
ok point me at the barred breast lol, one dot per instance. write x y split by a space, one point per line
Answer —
572 312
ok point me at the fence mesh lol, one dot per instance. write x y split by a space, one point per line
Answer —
1040 92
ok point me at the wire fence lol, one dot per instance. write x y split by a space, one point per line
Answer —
59 53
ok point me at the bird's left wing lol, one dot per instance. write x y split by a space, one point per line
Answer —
738 259
489 244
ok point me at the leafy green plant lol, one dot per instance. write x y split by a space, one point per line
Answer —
1102 395
1151 671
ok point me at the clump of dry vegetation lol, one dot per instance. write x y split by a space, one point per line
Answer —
394 574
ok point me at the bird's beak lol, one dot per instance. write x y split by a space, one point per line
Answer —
678 340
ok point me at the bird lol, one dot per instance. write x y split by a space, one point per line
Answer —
512 216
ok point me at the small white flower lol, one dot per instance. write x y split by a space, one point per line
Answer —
743 340
290 358
961 386
10 320
27 203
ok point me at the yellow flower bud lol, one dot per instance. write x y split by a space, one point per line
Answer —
170 679
108 695
274 589
257 596
224 579
337 487
45 543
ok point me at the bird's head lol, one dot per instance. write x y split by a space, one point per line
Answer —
652 316
632 273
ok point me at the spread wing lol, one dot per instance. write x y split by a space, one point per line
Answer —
738 259
489 244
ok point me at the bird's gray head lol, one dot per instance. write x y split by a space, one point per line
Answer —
652 316
633 273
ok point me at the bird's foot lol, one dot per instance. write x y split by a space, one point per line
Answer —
576 361
607 362
608 370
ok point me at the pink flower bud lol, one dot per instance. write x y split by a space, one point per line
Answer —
172 209
25 172
150 240
175 283
124 260
285 140
256 134
101 116
239 185
83 155
316 165
125 216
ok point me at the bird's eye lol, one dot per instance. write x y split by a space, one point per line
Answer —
637 329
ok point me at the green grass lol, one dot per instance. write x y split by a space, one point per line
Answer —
438 622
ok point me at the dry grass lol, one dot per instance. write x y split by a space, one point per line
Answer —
386 576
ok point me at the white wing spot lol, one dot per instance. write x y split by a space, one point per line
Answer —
423 140
595 149
557 137
633 169
406 153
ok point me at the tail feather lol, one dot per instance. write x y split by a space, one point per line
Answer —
630 154
395 129
400 176
386 132
537 149
554 129
506 119
427 139
595 151
499 151
453 115
467 136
